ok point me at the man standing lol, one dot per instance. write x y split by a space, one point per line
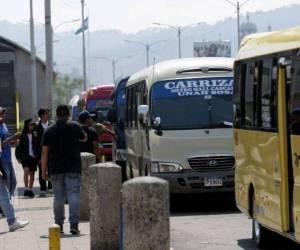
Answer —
92 144
41 127
6 153
61 162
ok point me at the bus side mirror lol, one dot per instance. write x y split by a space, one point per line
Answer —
143 113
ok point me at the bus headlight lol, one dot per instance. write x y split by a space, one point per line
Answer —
165 167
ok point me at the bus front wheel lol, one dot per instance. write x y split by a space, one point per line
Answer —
259 233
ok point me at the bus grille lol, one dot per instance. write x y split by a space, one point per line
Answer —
213 163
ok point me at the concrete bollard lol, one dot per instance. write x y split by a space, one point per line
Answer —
54 237
145 212
87 160
105 198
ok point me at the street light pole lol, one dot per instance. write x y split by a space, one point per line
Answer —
113 64
147 54
33 64
238 6
179 30
147 47
49 52
83 47
179 41
238 22
114 69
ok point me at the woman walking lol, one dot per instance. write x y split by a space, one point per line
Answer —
26 153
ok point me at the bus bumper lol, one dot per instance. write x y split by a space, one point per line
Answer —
194 182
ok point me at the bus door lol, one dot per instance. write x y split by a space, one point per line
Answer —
293 77
143 130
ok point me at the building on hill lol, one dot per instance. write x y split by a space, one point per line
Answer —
15 79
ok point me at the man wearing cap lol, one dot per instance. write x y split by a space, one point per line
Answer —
92 144
6 153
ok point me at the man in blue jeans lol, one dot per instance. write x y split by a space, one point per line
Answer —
5 196
6 154
61 162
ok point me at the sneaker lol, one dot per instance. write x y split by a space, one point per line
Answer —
43 194
50 191
30 194
74 229
26 193
61 228
18 225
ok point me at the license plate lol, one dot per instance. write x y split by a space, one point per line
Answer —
213 182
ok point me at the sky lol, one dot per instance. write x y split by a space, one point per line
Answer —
132 15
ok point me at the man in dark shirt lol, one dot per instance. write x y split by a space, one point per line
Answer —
61 162
92 144
41 127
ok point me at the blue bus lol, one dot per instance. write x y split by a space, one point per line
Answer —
118 119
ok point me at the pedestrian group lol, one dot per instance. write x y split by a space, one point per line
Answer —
52 148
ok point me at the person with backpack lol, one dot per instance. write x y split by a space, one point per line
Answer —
26 154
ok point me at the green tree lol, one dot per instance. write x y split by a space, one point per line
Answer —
65 87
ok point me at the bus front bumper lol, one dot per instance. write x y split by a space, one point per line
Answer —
198 182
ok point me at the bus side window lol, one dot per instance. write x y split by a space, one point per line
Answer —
239 93
267 95
128 107
257 93
134 106
249 95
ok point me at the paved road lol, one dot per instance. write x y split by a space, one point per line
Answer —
213 223
197 223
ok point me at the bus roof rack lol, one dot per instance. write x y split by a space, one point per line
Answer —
204 70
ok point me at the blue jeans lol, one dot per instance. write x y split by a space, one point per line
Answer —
66 185
11 176
5 202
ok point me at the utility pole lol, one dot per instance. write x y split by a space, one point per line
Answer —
33 64
83 46
49 53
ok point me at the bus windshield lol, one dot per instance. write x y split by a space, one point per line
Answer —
193 103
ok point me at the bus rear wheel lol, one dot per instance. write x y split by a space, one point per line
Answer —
260 234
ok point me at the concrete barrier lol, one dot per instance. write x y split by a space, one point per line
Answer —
145 214
105 197
87 160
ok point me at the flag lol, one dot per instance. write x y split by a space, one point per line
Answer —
84 26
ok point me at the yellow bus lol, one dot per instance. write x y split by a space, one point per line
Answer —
267 133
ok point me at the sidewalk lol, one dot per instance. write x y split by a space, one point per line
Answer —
39 212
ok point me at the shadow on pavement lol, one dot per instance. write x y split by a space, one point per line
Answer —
277 242
20 191
184 205
64 236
